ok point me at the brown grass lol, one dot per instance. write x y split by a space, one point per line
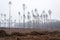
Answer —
29 34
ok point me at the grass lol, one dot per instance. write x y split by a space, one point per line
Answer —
32 35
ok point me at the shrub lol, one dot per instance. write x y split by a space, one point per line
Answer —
54 32
18 39
54 39
34 33
17 34
58 35
44 33
2 33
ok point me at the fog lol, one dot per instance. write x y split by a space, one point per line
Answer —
41 5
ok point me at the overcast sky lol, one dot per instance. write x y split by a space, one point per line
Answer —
41 5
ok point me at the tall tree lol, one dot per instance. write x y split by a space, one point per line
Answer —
46 17
11 21
34 18
43 16
19 18
28 19
15 23
24 15
9 12
24 20
37 21
5 20
28 15
1 19
50 13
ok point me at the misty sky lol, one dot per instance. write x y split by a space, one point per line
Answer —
41 5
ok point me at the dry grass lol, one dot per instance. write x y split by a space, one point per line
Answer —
29 34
